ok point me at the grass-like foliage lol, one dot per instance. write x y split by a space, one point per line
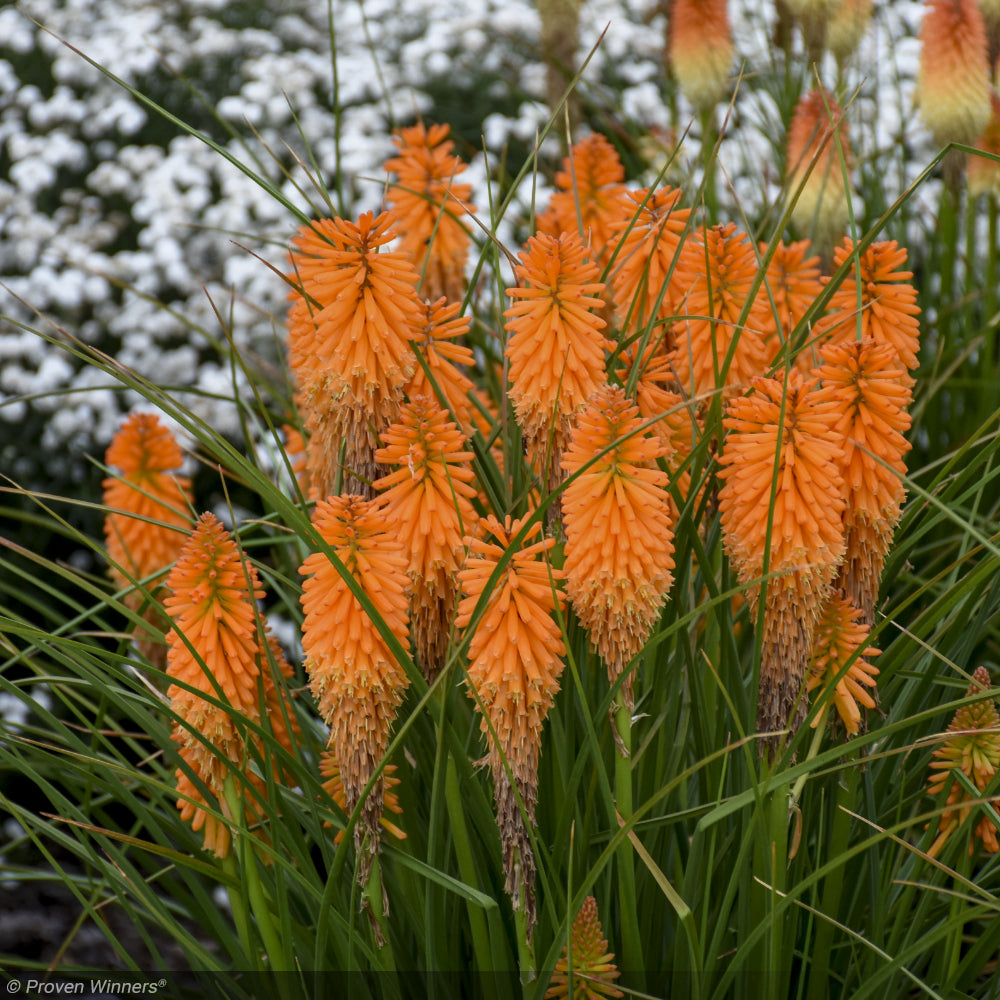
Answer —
637 586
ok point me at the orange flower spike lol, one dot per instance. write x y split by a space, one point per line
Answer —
349 338
793 280
213 590
816 175
427 208
723 266
515 660
594 969
428 498
354 677
972 747
437 342
556 348
954 76
839 635
215 648
588 191
619 533
649 227
700 50
889 307
678 426
148 458
806 540
861 378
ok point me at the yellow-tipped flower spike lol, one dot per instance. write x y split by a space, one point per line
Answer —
428 207
428 497
354 677
839 636
619 532
861 380
556 348
847 26
349 331
700 50
437 342
333 785
972 747
215 648
954 78
648 229
793 280
588 191
723 266
984 174
783 433
515 660
817 176
594 969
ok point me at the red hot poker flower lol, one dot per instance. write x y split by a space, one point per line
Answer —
515 660
349 331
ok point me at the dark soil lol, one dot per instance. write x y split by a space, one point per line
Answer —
40 926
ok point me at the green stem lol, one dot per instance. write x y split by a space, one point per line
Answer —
467 869
525 951
373 895
631 943
833 887
237 906
249 877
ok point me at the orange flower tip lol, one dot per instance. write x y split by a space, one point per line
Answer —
594 970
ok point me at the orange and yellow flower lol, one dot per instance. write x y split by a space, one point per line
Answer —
427 208
354 313
515 661
972 746
888 303
619 532
556 349
847 26
648 279
587 196
594 969
700 49
840 637
983 173
861 378
819 164
355 678
428 497
954 77
713 349
782 507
